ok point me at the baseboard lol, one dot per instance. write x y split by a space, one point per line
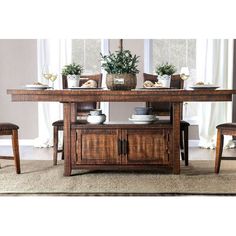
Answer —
22 142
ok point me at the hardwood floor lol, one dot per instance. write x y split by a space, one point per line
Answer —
32 153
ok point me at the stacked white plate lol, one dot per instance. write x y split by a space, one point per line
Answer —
36 86
143 119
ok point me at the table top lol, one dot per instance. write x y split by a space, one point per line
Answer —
162 95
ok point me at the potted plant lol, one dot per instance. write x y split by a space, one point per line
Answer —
164 72
72 72
121 68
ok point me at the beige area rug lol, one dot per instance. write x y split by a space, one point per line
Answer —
41 178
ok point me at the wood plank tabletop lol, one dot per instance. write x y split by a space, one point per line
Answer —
167 95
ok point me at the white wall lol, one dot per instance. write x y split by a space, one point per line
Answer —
18 66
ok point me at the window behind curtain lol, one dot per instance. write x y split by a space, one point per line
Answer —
87 53
181 53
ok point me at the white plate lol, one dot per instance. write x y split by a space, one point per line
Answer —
143 117
204 86
34 86
84 88
138 121
149 88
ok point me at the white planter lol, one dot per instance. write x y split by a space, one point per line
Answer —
73 81
165 80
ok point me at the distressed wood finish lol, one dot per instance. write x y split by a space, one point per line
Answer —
70 97
69 136
98 146
146 146
123 144
164 95
176 135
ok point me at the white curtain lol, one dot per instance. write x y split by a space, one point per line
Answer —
54 54
214 66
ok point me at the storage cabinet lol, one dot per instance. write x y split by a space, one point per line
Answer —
122 145
146 146
98 146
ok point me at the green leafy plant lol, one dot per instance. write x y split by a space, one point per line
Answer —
72 69
165 69
120 62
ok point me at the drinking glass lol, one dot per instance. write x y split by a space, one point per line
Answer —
45 74
52 78
184 74
48 75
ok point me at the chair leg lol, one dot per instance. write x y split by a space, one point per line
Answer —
181 145
186 146
55 145
219 150
15 148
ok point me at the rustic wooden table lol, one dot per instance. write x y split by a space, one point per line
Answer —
70 97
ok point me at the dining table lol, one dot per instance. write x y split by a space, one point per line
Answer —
168 138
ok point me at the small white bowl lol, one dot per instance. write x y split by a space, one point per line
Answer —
99 119
96 112
143 117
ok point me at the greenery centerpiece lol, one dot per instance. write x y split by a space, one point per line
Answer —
121 68
164 72
72 72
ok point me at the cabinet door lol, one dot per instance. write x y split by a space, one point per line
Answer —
98 146
146 146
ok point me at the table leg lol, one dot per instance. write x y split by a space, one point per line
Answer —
69 117
176 137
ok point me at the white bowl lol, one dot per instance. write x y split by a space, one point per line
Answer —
143 117
99 119
96 112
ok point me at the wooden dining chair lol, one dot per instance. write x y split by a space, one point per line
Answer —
12 129
223 129
164 109
83 109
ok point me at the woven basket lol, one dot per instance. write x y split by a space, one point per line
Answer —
121 81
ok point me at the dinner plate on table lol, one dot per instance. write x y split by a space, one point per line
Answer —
206 86
36 86
85 88
153 88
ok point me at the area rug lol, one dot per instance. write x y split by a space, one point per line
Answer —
42 178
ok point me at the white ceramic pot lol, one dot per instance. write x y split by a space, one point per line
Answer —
73 81
99 119
165 80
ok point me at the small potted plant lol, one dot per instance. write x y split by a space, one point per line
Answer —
164 72
72 72
121 68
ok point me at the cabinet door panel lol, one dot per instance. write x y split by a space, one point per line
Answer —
96 146
147 146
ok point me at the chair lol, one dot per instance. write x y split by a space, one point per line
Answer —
223 129
164 109
12 129
83 109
